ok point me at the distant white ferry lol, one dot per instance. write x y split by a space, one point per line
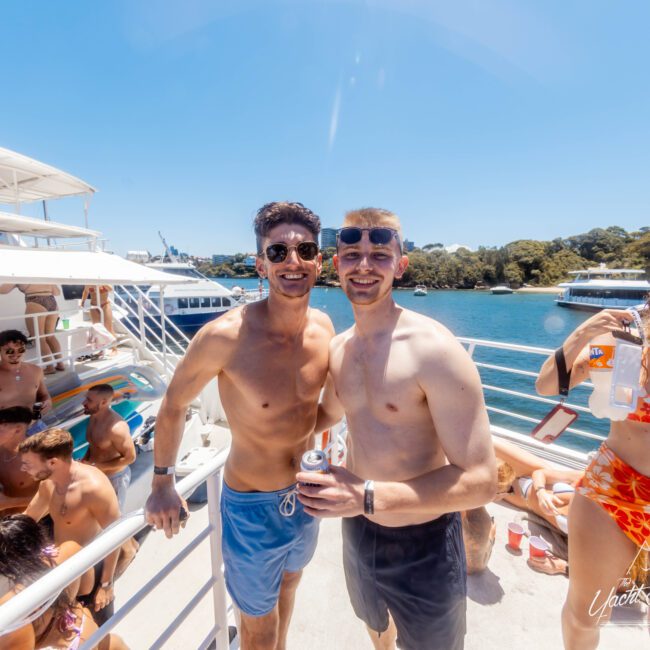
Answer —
601 288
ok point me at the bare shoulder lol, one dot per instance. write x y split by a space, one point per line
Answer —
94 481
66 550
338 343
34 370
223 329
321 322
433 344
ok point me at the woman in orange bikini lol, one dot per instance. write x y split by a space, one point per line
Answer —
40 299
609 519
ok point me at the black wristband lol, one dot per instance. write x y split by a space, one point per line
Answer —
164 471
369 498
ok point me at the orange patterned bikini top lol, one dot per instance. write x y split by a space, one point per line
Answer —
642 413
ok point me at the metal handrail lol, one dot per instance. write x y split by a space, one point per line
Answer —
66 333
474 344
55 580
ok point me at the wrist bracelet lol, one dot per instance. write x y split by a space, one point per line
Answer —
369 498
164 471
107 585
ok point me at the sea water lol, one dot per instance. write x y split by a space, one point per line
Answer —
525 319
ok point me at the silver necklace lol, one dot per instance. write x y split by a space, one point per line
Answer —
63 509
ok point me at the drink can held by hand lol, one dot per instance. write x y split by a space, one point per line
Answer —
314 460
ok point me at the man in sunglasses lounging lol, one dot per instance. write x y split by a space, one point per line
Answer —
270 358
420 449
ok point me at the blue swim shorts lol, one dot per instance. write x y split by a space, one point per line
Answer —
260 543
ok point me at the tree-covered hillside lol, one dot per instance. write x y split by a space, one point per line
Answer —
538 263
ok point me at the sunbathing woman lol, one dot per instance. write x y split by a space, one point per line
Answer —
609 518
529 483
540 487
25 556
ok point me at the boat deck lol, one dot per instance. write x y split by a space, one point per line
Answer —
509 605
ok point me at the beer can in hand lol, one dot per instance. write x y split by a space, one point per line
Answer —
314 460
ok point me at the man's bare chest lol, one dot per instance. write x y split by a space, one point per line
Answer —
385 386
279 374
17 389
13 479
99 438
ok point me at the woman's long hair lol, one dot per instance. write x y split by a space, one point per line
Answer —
22 542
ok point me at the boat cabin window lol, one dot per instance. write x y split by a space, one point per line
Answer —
216 302
205 302
182 303
194 303
226 302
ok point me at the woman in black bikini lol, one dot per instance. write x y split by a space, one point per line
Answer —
25 556
40 299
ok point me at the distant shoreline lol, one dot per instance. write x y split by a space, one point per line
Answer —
539 290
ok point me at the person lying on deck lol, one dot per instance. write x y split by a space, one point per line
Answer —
528 483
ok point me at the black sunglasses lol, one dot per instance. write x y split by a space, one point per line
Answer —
277 253
10 352
379 236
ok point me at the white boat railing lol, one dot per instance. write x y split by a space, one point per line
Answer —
71 349
490 388
50 585
147 324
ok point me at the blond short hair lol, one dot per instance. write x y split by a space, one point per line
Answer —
373 217
505 475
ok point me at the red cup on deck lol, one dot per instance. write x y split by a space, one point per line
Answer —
515 533
537 547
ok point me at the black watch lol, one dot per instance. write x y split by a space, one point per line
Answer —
164 471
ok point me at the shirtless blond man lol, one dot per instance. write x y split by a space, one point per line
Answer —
17 488
110 447
419 449
21 383
78 497
270 358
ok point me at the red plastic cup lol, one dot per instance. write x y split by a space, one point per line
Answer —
537 547
515 533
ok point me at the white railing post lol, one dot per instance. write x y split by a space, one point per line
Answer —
37 339
219 585
143 338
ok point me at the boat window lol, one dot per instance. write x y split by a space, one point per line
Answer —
205 302
226 302
182 303
216 302
194 303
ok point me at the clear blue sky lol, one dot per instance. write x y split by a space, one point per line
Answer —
476 122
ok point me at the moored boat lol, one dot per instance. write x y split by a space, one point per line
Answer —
420 290
599 288
501 290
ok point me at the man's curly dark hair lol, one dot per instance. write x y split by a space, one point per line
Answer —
273 214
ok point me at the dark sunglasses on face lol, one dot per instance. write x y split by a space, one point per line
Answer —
276 253
379 236
10 352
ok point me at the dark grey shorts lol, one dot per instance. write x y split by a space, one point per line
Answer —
417 573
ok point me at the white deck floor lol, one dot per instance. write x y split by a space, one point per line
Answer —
509 605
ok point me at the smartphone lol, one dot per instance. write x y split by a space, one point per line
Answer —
554 424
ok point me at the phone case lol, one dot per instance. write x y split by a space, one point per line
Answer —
556 421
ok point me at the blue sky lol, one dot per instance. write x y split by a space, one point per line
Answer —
476 122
